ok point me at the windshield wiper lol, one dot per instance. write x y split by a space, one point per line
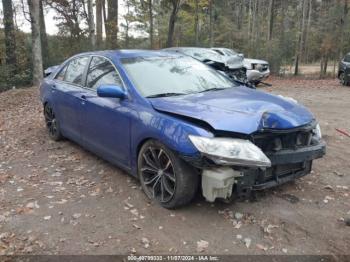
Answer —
166 95
213 89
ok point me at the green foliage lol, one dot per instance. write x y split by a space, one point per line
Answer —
242 25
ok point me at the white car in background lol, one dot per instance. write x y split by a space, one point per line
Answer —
257 70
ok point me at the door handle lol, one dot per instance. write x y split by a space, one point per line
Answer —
83 99
53 88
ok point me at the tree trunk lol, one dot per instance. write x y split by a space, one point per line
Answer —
299 47
196 23
99 23
112 24
104 14
34 9
254 29
91 22
308 31
303 28
10 39
43 37
343 22
271 18
172 20
324 65
127 25
250 21
150 17
211 31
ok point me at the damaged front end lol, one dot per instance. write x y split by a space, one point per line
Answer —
257 140
264 159
232 68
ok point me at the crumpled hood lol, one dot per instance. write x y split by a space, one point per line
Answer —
255 61
234 61
238 109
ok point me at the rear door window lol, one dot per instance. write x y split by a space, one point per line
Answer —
102 72
75 70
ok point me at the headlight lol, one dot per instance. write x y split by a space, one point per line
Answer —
317 132
248 66
231 151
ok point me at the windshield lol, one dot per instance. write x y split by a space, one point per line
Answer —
173 75
230 52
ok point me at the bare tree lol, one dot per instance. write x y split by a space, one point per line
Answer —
211 30
91 22
175 7
127 23
308 27
271 19
196 23
112 24
99 23
150 17
10 39
301 35
34 10
43 37
343 22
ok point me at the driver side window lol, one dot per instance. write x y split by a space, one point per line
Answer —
347 58
102 72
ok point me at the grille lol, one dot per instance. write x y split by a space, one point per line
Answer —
261 67
282 171
272 142
264 68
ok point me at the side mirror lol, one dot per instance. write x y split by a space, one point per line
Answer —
111 91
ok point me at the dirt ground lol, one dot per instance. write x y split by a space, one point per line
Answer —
311 70
57 198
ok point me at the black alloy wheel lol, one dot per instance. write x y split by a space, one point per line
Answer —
165 177
51 123
158 174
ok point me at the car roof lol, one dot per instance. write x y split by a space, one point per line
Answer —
128 53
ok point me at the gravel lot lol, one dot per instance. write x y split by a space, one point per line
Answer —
57 198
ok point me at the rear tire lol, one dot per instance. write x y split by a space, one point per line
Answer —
165 177
52 123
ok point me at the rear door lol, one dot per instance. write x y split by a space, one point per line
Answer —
68 89
105 122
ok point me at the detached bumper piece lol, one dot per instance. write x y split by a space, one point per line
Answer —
287 165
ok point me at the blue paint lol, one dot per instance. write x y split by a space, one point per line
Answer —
113 122
111 91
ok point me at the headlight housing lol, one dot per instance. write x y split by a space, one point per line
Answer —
317 132
231 151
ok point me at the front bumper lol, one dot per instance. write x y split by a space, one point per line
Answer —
287 165
256 75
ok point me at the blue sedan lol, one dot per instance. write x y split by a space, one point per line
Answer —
179 125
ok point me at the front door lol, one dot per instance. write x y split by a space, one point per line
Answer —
105 122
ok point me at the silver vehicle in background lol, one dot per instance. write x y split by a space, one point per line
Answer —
231 65
257 70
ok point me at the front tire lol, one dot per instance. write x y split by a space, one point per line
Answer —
52 123
165 177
